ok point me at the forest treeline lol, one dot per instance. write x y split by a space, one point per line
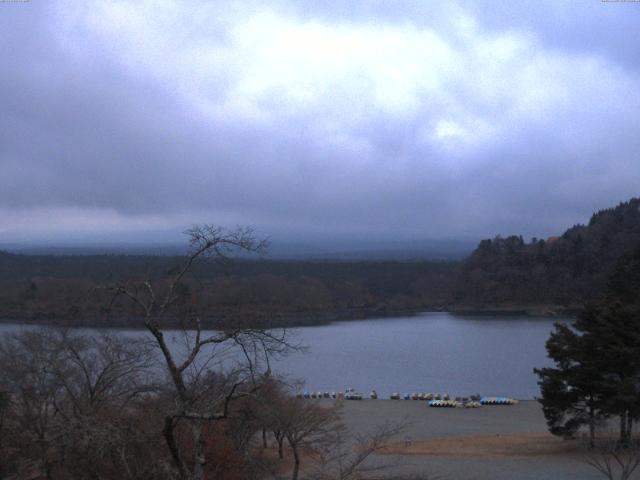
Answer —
559 272
504 273
52 288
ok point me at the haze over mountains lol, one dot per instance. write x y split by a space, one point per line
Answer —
169 243
442 249
501 274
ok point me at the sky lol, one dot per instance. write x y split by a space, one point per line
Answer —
315 121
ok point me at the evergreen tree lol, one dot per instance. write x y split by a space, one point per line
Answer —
597 373
615 325
572 393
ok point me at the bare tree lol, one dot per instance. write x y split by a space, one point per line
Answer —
34 393
305 425
335 453
7 456
105 380
195 399
612 459
67 391
270 410
347 456
100 371
112 444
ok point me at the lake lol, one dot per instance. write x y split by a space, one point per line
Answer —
431 352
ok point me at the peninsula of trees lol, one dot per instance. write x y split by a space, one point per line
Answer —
560 272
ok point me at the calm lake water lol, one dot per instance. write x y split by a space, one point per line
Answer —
431 352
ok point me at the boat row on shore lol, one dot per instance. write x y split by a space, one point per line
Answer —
348 394
434 399
454 404
468 403
432 396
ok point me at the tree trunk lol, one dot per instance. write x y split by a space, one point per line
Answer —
199 458
592 427
623 428
264 438
280 448
296 463
279 436
169 437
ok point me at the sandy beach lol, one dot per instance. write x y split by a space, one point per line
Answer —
491 442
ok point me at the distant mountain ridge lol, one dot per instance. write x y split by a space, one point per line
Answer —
502 274
565 272
426 249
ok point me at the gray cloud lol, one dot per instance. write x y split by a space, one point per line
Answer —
415 121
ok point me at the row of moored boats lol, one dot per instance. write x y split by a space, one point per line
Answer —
434 399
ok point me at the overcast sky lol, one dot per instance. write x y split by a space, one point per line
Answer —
315 119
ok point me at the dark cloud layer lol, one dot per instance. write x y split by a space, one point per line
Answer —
310 119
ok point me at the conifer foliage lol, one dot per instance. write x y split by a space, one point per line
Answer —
597 371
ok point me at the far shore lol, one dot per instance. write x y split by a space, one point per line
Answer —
292 320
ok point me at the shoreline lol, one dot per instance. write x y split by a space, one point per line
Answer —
291 320
487 443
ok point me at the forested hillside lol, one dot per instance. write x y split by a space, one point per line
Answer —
509 273
46 287
558 272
